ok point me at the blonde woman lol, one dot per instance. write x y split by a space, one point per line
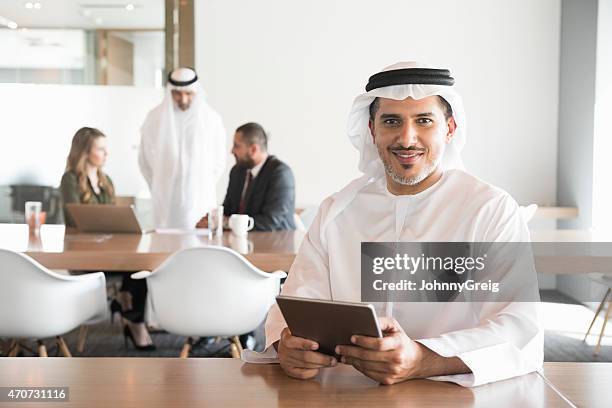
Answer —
84 182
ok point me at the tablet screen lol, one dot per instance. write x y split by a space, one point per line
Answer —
328 323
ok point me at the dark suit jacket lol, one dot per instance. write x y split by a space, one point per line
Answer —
271 198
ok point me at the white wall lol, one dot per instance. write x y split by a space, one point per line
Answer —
148 57
602 193
577 71
38 122
296 66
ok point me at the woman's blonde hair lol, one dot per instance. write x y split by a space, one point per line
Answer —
82 142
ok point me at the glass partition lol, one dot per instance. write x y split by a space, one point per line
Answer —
82 42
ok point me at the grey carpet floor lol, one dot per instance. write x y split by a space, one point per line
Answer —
561 348
558 347
106 340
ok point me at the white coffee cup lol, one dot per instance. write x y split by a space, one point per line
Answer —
242 245
241 224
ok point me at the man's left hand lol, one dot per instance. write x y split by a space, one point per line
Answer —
395 357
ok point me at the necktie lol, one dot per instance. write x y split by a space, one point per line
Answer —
245 192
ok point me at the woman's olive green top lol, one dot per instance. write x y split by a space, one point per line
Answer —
69 187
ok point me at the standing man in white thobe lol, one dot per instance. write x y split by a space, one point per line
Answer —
182 153
409 128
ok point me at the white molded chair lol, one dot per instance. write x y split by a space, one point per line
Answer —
210 292
527 212
299 225
308 215
38 303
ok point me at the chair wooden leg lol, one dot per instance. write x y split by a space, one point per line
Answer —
603 302
42 350
235 347
186 348
13 348
603 328
63 347
82 337
234 351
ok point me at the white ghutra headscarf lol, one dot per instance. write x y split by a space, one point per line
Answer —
359 116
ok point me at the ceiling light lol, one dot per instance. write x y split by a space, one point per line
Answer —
29 5
99 21
8 23
37 6
129 7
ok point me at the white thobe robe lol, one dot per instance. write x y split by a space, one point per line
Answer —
495 340
182 157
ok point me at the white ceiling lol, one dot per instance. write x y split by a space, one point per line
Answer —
89 14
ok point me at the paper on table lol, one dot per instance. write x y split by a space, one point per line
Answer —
88 238
268 356
195 231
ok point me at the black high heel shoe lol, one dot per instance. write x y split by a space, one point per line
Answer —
127 333
115 307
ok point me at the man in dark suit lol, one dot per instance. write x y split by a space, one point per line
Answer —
260 185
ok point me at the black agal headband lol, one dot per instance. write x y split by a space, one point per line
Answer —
182 83
420 76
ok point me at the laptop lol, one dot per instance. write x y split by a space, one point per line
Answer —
105 218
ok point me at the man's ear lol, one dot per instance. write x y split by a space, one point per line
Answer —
452 127
371 126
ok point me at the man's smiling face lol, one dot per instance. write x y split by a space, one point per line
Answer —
411 136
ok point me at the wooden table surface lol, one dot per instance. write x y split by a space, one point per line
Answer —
56 249
269 251
584 384
166 382
572 251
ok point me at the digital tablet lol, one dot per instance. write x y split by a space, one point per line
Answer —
327 322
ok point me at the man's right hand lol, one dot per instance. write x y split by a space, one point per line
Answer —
299 358
203 223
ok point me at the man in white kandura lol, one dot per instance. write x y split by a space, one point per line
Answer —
409 128
182 153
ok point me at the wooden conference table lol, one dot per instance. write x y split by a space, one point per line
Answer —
166 382
584 384
56 249
269 251
159 382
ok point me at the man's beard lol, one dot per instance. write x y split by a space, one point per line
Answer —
411 180
182 107
247 163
